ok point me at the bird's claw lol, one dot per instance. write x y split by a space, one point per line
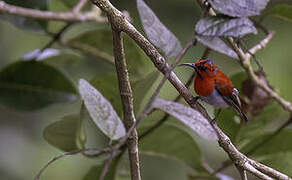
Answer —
195 99
213 121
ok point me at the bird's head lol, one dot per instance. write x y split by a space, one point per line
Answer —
203 67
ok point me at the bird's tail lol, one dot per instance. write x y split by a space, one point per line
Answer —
242 115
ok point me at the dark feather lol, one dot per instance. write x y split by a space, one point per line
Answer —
234 101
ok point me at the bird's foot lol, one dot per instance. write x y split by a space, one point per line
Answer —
195 99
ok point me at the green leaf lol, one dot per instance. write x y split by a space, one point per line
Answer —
27 23
239 8
280 143
280 161
95 171
31 85
95 138
276 152
173 142
218 26
107 84
189 116
101 111
70 3
157 33
218 45
141 87
153 166
101 42
66 134
282 11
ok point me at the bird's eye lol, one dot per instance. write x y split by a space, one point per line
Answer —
203 68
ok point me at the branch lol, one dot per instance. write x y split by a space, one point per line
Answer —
127 102
261 44
89 152
49 15
242 173
79 6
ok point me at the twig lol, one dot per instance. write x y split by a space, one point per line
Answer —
261 44
91 151
242 173
127 102
89 50
55 37
269 171
106 166
257 173
270 137
49 15
79 6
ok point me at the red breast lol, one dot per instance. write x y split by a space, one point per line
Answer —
209 77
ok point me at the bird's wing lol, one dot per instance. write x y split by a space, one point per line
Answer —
230 95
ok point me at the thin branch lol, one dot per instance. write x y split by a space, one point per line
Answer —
127 102
49 15
270 137
90 152
242 173
257 173
89 50
56 37
261 44
79 6
269 171
106 166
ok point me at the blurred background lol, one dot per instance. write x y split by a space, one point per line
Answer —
23 150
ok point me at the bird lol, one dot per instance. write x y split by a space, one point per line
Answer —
215 88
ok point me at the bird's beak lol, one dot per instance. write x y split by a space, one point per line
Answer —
189 64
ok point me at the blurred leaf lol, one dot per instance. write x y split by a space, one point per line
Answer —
101 41
95 138
66 134
107 85
239 8
218 45
217 26
282 11
189 116
172 142
27 23
157 33
95 171
32 85
101 111
280 161
70 3
38 55
224 176
280 143
141 87
153 167
276 152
